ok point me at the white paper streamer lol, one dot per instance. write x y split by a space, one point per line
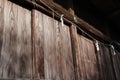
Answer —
61 19
113 49
97 45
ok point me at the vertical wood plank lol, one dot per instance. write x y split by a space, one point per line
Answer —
16 49
105 63
1 31
110 69
75 50
49 48
57 51
81 64
85 58
38 40
92 60
98 57
116 62
67 59
8 57
24 46
1 22
88 69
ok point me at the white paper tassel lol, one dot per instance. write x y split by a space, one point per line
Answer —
97 45
61 19
113 49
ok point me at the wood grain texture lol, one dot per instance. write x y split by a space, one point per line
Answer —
116 64
87 64
47 50
57 51
105 63
15 59
66 54
38 37
1 22
24 40
52 46
75 49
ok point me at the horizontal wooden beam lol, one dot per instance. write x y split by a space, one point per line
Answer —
81 23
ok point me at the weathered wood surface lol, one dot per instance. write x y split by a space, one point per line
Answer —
105 64
1 22
116 64
38 42
15 56
57 50
86 61
35 45
66 53
75 49
52 49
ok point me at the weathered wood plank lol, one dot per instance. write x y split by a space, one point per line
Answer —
92 60
57 51
116 64
109 70
24 40
1 31
49 48
75 49
38 39
84 58
117 68
81 63
1 23
67 59
87 63
16 49
105 65
8 57
100 60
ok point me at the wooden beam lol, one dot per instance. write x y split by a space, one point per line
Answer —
74 43
67 16
81 23
75 48
33 44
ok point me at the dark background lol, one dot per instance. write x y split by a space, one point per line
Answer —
102 14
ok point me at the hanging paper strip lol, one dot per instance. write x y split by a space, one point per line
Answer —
61 19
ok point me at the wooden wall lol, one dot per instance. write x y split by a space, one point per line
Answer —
87 63
53 54
15 47
34 46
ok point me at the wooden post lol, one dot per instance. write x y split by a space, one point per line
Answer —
74 42
37 45
75 48
32 40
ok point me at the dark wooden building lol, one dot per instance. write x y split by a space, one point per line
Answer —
59 40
